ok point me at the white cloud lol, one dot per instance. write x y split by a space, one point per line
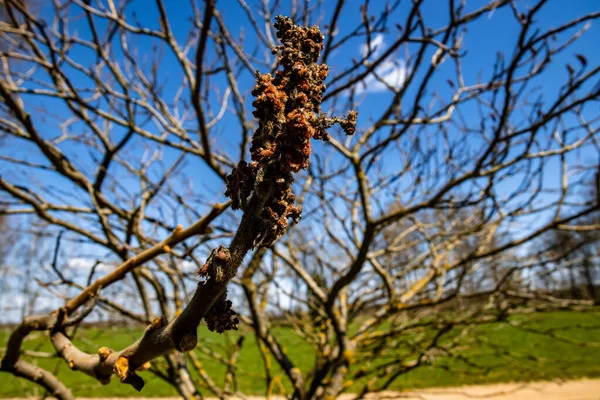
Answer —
390 74
83 264
377 45
187 266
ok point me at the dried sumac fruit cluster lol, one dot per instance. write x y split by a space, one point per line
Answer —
221 316
288 109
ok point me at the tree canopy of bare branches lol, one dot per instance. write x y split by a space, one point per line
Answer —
167 148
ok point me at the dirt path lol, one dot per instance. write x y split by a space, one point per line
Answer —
585 389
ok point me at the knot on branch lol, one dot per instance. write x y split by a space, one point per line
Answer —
126 374
121 368
221 316
288 109
188 342
103 353
217 265
157 323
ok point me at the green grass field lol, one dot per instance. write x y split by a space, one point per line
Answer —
509 355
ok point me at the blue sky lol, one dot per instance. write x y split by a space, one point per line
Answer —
488 35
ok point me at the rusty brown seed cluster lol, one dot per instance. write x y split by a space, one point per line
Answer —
288 109
221 316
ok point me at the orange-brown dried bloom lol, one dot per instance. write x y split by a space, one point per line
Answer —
288 109
239 185
349 124
221 316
